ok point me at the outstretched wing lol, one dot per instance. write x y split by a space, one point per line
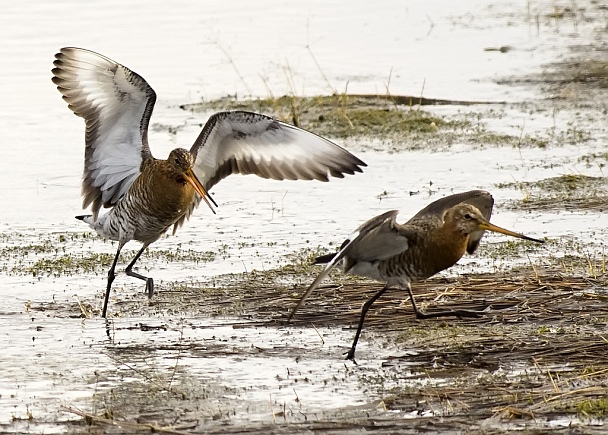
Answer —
116 104
251 143
377 239
479 199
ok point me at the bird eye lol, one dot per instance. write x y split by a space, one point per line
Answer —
177 160
467 216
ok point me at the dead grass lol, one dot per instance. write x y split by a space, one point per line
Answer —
385 122
566 192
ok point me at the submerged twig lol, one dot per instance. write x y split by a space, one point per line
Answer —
91 419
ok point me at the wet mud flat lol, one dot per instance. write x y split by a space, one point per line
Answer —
536 359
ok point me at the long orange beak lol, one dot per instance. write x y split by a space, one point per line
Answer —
485 225
191 178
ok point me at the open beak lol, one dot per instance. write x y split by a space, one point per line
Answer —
191 178
485 225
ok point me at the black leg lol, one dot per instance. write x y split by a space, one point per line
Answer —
351 353
149 280
111 276
456 313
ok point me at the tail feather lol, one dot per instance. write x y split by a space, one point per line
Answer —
86 218
324 259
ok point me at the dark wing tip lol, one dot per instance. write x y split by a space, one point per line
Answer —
359 163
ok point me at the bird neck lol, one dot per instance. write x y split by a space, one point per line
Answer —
450 246
169 191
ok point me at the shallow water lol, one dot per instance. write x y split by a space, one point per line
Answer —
203 50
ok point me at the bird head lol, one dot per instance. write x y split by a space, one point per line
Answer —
467 219
182 162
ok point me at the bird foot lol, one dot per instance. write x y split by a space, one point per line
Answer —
350 355
455 313
468 313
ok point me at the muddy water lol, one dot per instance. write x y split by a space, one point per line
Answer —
192 51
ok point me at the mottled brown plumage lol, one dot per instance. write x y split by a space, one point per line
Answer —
435 244
166 189
399 254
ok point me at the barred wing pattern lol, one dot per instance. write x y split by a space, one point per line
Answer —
116 104
251 143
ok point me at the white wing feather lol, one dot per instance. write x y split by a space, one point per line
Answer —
116 104
376 239
251 143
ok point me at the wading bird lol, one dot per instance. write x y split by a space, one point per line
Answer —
146 195
399 254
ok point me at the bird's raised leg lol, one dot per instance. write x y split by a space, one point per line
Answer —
351 353
456 313
111 276
149 280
